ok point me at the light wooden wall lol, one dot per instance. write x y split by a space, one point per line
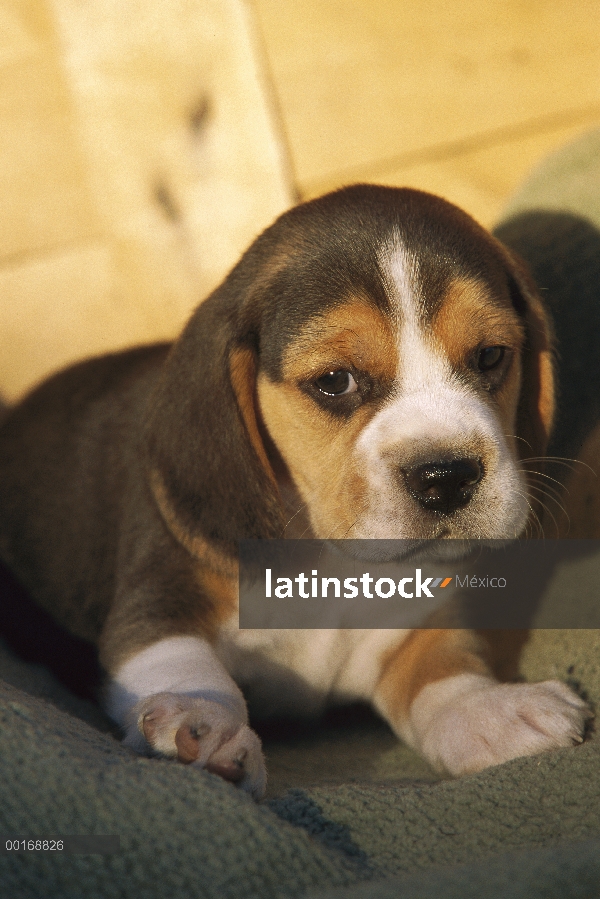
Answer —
139 156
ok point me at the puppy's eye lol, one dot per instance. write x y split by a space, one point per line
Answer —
490 357
336 383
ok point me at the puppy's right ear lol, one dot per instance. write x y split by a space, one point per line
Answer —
209 470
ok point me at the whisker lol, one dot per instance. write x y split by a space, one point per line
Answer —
554 495
541 474
516 437
345 534
548 488
301 508
560 460
297 512
528 533
548 512
539 523
540 493
349 529
553 458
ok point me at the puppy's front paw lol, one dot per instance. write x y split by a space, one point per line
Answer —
468 722
200 732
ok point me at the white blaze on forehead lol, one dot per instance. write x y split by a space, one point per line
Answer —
420 363
431 404
425 379
400 272
431 414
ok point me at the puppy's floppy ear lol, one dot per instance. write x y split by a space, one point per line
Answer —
208 467
537 401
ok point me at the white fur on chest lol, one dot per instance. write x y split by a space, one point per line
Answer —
301 672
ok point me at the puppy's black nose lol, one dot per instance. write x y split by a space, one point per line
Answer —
444 485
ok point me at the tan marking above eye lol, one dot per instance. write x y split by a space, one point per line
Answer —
470 316
354 335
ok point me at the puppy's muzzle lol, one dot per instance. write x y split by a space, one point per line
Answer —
444 485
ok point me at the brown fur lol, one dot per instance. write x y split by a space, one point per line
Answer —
468 315
424 657
430 655
354 335
316 449
126 482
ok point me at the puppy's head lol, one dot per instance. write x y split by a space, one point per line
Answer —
381 352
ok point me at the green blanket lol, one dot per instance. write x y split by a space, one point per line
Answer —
350 812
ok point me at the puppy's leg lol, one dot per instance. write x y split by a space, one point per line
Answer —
440 696
176 698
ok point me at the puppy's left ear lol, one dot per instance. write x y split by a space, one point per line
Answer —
535 415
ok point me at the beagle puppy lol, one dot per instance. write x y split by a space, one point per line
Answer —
375 366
